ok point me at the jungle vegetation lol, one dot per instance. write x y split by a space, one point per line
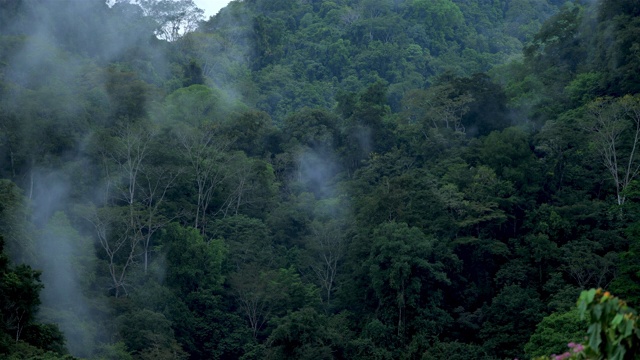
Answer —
309 179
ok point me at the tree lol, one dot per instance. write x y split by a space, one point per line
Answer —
554 332
328 245
251 286
248 240
401 265
511 319
137 178
20 288
301 334
20 298
613 331
195 105
13 224
194 265
364 128
127 93
156 183
124 157
477 209
265 294
248 185
617 45
149 335
174 18
205 151
440 106
268 35
313 128
586 266
120 248
134 193
487 110
615 124
445 21
627 279
254 133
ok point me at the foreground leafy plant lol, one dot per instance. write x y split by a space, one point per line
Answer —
613 331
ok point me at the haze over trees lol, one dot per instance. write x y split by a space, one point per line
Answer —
364 179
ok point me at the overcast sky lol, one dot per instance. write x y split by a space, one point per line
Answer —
211 7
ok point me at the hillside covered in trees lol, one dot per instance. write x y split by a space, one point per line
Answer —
308 179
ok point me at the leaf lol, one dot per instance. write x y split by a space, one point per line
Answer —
582 308
597 311
594 338
617 320
628 328
618 353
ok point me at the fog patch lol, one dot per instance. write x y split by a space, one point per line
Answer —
316 170
66 261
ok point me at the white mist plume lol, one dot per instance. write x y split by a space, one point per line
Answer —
316 170
65 259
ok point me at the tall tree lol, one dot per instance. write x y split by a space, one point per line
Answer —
174 18
615 124
328 245
205 151
401 264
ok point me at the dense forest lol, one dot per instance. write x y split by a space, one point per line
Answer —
310 179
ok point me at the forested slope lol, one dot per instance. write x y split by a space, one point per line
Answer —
373 179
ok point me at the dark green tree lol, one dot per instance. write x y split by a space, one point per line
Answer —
406 271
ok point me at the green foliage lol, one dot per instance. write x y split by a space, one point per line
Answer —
613 331
627 282
247 239
508 152
554 332
194 264
127 93
314 128
511 320
149 335
443 15
22 351
253 132
195 105
21 337
301 334
584 87
19 244
405 270
47 337
114 351
617 46
454 351
20 298
315 179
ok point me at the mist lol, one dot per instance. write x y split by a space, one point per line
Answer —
65 46
308 179
64 257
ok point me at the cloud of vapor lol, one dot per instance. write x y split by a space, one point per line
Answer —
55 86
65 259
317 170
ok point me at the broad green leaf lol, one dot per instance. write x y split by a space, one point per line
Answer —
628 328
616 320
618 353
597 311
594 335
